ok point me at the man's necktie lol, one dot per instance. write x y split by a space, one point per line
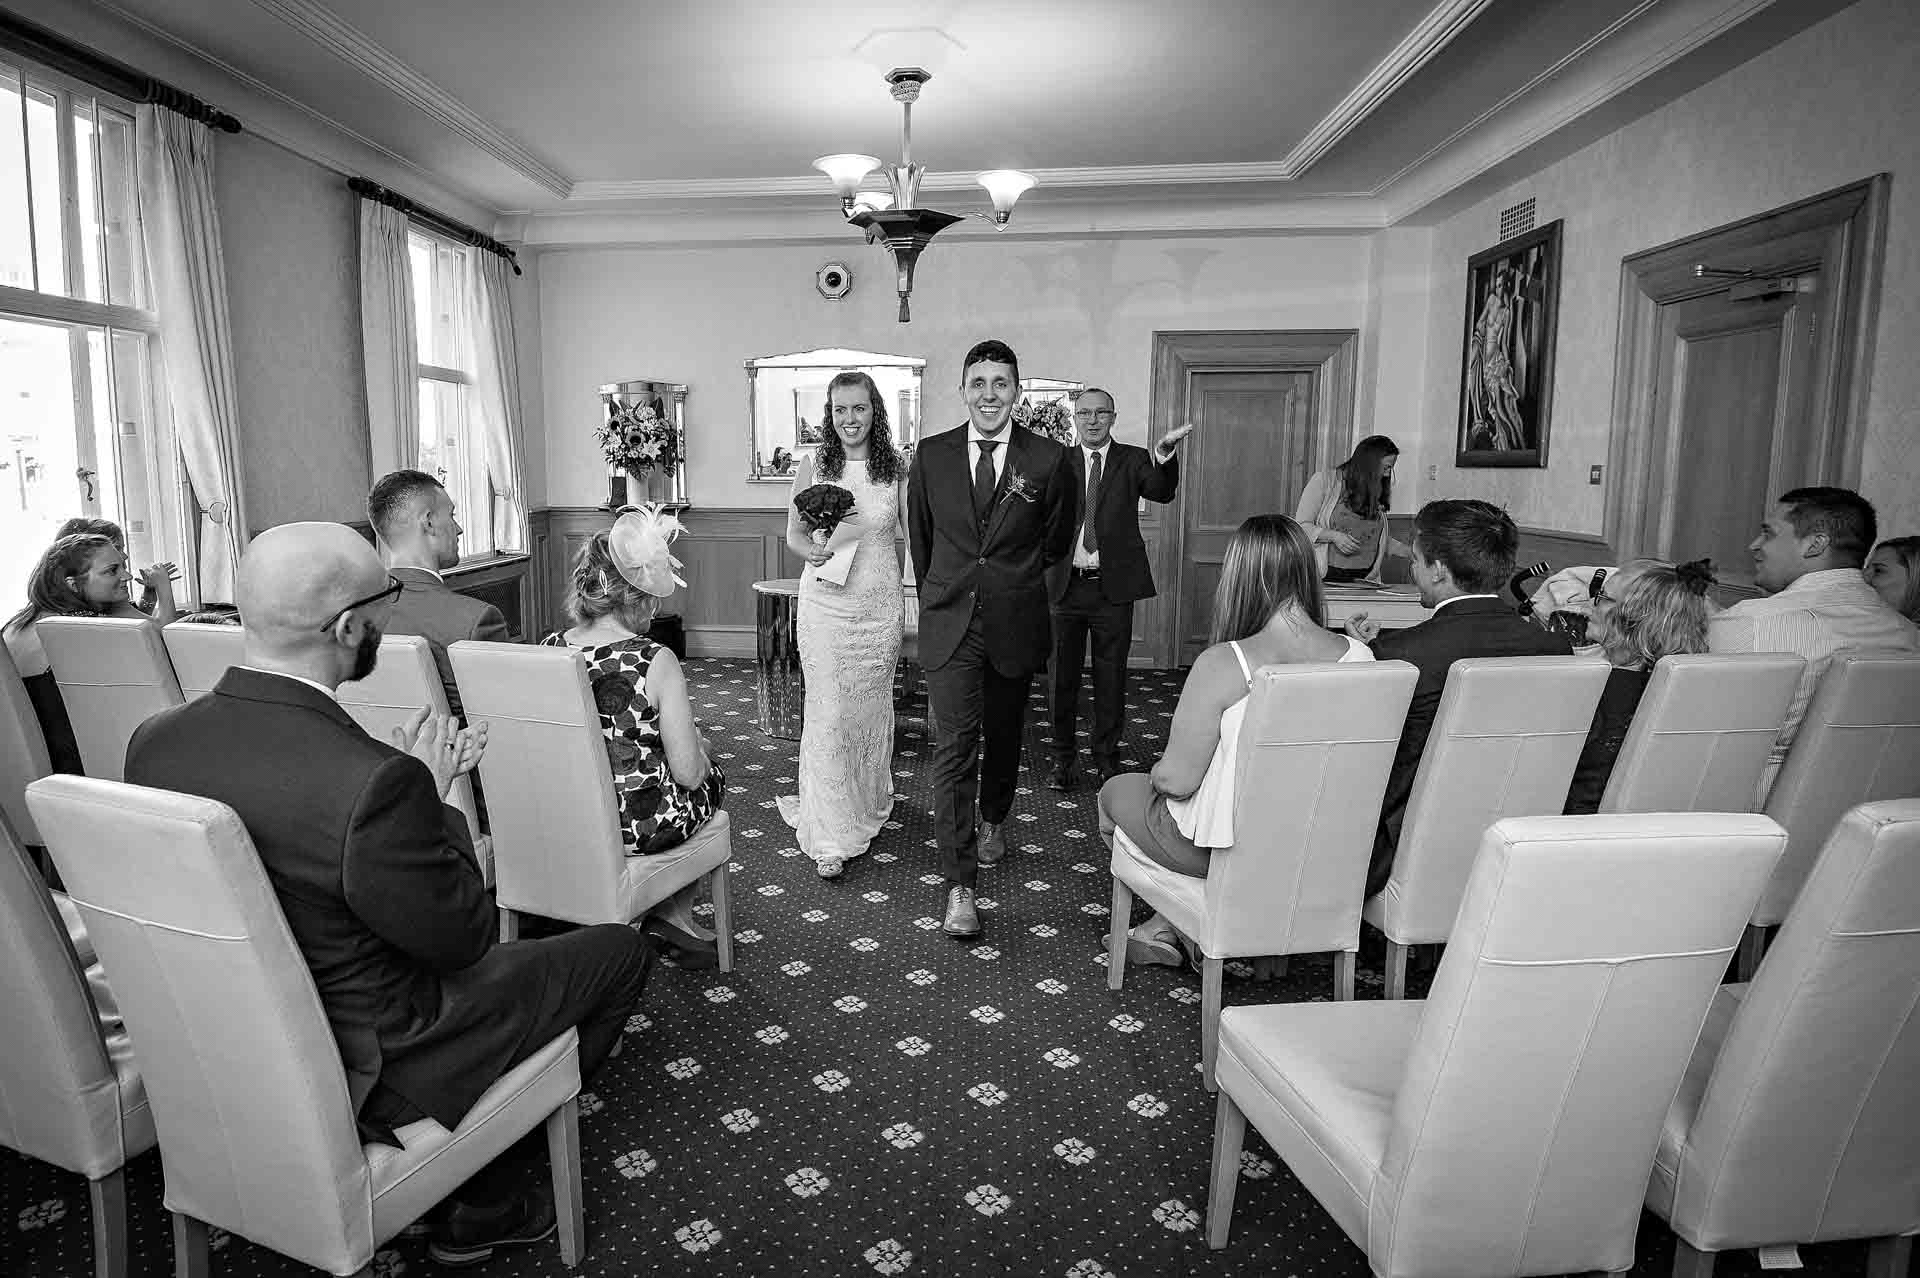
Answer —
1089 537
983 480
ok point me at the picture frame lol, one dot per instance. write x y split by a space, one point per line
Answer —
1507 349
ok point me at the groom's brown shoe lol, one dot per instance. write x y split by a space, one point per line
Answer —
992 846
962 920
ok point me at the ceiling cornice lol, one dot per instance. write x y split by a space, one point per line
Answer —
356 49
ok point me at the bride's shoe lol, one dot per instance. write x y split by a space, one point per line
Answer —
829 867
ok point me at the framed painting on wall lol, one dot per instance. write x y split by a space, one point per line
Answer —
1506 373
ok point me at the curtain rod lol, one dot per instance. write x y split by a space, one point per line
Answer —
370 190
30 40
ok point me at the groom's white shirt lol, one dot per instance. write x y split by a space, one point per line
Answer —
999 454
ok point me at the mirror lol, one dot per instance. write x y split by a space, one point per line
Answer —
787 396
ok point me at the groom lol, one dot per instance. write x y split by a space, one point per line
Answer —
989 509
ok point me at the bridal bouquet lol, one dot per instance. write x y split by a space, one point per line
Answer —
827 510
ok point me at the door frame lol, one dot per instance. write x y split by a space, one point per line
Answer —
1847 228
1329 356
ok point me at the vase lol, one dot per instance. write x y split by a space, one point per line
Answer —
652 485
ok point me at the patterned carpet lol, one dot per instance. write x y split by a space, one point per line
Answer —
864 1096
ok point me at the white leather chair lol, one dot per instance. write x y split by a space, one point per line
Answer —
1859 741
202 653
1799 1117
1702 734
1316 745
113 674
23 750
248 1093
404 679
1504 1125
70 1091
1505 740
556 836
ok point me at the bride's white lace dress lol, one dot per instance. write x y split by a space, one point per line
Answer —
849 645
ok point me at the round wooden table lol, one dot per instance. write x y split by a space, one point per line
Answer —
780 690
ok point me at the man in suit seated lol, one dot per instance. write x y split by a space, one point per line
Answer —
1463 553
376 875
1807 558
1094 592
419 539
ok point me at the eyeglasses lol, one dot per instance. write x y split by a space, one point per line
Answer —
1095 414
394 587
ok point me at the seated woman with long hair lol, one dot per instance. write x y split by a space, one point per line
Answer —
664 780
1642 612
82 575
156 581
1893 569
1343 510
1268 610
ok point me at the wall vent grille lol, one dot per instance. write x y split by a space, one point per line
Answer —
1517 220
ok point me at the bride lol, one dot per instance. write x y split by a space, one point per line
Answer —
849 634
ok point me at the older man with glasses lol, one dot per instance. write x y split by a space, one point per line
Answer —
1094 592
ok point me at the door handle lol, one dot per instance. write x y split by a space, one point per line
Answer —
85 476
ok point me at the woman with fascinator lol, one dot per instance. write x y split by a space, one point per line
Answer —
1642 612
849 633
665 784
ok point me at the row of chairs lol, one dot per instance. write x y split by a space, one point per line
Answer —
1318 742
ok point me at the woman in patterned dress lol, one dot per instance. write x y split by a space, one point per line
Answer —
665 783
849 634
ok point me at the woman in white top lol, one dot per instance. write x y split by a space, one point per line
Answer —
1268 610
1344 512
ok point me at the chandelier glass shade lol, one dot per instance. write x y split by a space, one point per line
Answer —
894 217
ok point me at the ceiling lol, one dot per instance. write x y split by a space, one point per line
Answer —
610 120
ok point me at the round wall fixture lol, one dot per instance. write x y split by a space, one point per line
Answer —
834 280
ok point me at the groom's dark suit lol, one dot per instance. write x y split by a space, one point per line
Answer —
984 627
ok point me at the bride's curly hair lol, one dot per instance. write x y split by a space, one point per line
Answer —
885 464
596 589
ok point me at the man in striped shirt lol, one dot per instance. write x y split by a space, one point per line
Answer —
1808 557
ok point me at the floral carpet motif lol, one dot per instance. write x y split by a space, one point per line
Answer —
864 1096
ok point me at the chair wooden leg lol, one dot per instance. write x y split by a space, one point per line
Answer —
718 886
1343 961
1117 934
1890 1257
1753 947
192 1258
569 1204
1229 1135
109 1195
1396 969
509 925
1212 971
1691 1263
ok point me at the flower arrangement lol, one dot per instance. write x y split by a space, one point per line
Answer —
637 437
1051 418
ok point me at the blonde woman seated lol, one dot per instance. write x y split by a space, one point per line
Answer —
665 785
1268 610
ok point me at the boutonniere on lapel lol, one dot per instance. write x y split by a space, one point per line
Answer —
1018 485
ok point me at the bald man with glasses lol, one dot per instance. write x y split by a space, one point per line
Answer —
1093 593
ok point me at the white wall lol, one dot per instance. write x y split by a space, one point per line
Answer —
1083 309
1833 105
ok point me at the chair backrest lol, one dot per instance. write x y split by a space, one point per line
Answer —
202 653
1860 741
23 749
403 680
556 840
1563 1014
1811 1117
59 1101
248 1094
1505 740
114 675
1702 734
1316 745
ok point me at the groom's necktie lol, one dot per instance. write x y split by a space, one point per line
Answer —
983 480
1089 537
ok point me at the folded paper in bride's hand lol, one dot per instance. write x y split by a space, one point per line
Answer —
842 541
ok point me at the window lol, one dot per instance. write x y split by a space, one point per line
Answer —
79 433
451 447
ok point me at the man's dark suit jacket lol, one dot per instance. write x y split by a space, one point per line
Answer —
430 608
1482 626
374 873
1129 475
1000 569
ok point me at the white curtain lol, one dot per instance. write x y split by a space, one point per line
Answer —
180 237
497 387
387 339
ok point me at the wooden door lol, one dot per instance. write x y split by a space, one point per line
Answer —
1734 379
1249 454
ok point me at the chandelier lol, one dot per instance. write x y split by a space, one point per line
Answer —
893 217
